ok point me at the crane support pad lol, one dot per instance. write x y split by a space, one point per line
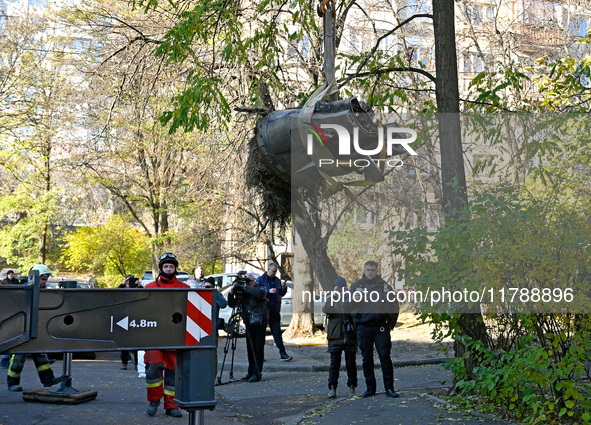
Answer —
45 395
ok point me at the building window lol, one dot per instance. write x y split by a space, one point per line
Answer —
364 216
542 13
579 26
480 14
354 42
79 44
473 64
387 43
305 47
416 7
2 16
423 57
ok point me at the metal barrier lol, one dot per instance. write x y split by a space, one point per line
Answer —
84 320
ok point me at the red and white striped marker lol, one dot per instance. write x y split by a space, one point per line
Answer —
199 314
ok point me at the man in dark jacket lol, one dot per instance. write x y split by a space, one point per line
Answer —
126 355
374 313
341 336
253 303
275 290
10 279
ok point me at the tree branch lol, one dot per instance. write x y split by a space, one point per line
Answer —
386 71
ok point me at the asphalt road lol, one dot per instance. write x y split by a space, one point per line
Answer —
293 396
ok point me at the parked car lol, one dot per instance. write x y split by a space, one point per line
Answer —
182 276
286 310
147 278
223 280
55 284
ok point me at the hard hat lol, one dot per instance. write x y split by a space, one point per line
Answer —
43 270
168 258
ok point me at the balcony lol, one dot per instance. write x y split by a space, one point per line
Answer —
535 39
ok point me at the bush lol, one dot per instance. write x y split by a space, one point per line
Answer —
533 359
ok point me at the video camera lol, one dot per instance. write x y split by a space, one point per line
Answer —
241 281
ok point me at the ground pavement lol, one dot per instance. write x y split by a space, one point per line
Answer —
290 393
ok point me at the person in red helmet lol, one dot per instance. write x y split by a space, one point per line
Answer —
161 364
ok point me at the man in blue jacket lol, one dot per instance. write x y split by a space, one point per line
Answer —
275 290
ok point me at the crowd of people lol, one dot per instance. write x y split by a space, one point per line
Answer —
352 323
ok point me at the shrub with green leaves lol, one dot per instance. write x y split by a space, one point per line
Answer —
116 248
533 363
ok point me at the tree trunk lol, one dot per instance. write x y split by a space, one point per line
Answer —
302 319
47 178
314 245
448 106
453 174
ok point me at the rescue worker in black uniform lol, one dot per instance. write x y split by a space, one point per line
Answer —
374 314
17 361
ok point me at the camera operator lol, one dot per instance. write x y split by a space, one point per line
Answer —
253 302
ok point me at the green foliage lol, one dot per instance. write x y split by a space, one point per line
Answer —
564 83
193 106
350 246
228 47
113 249
516 237
502 90
26 216
210 34
540 379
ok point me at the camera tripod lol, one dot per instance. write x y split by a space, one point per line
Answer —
233 331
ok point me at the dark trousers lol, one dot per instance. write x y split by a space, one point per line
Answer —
335 365
255 348
17 362
275 325
367 337
126 356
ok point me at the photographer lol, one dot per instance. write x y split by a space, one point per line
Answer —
220 301
129 282
253 302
